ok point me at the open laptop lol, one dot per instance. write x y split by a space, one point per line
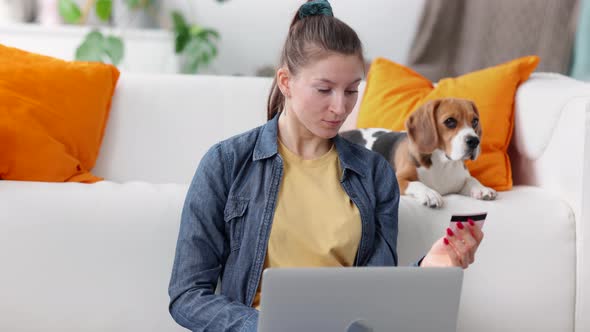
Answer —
360 299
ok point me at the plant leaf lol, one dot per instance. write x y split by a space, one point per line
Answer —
193 47
181 30
94 37
191 67
180 42
196 30
69 11
193 56
103 9
205 58
91 48
179 21
214 51
210 50
211 32
194 42
114 49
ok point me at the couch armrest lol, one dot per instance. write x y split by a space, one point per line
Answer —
551 149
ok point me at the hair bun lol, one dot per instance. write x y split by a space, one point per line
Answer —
315 8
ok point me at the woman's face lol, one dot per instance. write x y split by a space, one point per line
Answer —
322 94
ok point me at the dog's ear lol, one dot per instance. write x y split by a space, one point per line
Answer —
478 130
474 107
422 128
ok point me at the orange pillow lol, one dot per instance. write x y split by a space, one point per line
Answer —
52 116
394 91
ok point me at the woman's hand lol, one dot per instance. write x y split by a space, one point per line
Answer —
456 248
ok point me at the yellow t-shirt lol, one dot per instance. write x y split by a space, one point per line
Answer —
315 223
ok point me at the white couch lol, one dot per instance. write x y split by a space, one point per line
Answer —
76 257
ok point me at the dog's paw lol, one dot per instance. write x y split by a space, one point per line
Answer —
484 193
430 198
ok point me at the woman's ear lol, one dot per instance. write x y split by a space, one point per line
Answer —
283 77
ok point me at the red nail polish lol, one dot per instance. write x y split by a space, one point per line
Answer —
460 225
446 241
471 222
450 232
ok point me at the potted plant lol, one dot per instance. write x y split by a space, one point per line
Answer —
196 45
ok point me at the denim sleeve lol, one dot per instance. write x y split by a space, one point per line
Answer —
417 263
386 215
201 252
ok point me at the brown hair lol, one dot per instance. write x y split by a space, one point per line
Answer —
310 38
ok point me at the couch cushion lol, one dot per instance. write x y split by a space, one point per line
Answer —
52 116
394 91
99 257
527 257
81 257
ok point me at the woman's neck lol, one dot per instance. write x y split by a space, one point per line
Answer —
299 140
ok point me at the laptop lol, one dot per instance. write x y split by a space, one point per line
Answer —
360 299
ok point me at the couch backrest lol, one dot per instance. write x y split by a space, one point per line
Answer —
161 125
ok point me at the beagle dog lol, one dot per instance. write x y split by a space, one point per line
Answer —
428 159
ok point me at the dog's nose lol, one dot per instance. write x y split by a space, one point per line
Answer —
472 141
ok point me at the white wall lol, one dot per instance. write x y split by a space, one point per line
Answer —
253 31
145 50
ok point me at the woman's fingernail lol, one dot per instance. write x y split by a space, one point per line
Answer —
450 232
446 241
460 225
471 222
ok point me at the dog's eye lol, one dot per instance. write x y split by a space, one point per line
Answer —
475 122
451 123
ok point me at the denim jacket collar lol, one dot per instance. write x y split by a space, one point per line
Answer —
267 146
267 141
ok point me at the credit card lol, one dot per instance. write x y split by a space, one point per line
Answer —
478 218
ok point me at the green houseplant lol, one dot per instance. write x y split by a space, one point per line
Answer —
196 45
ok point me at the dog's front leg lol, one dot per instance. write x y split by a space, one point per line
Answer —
424 194
476 190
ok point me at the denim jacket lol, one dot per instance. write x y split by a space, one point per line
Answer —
227 217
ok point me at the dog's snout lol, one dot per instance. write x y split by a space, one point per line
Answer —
472 141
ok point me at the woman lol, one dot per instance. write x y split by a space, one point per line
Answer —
329 202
